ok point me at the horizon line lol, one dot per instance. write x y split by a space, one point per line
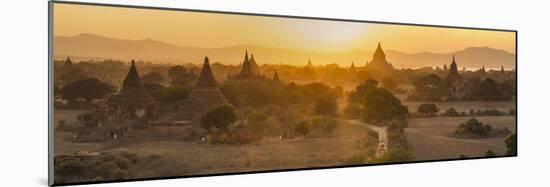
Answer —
257 45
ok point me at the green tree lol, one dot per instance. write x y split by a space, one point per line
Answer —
428 109
173 93
389 84
379 105
301 128
219 119
153 77
358 94
353 110
257 121
73 74
490 153
428 88
511 145
178 76
88 89
326 105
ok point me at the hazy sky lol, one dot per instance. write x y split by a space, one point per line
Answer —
222 30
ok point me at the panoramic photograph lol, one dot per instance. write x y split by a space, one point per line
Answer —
148 93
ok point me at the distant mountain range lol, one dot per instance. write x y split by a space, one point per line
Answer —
91 46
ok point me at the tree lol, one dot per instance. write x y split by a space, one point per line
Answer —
219 119
428 109
301 128
379 105
490 153
389 84
353 110
153 77
428 88
326 105
178 76
473 127
73 74
173 93
488 90
452 112
357 96
511 145
257 121
88 89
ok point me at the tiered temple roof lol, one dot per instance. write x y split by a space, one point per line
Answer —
254 65
133 92
453 75
379 61
204 97
275 76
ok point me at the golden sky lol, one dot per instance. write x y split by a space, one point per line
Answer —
221 30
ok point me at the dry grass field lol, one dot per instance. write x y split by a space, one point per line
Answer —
429 137
179 158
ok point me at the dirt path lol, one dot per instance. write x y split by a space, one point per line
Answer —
382 136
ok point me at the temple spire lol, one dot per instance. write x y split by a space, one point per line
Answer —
379 52
133 75
502 69
68 61
206 78
309 63
453 59
276 76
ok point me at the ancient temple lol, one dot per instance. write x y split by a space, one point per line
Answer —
133 101
379 61
454 80
276 76
68 62
247 69
254 65
204 97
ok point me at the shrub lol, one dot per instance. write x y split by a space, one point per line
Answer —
353 110
490 153
301 128
452 112
428 109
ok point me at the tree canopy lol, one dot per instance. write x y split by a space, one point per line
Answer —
379 105
87 89
219 119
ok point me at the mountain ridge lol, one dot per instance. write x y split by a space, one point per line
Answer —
93 46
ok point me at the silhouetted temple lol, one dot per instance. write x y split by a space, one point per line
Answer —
247 69
379 61
454 81
254 65
275 76
133 101
68 61
204 97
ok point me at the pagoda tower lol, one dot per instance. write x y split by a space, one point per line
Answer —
379 61
204 97
254 65
275 76
454 81
246 70
133 101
